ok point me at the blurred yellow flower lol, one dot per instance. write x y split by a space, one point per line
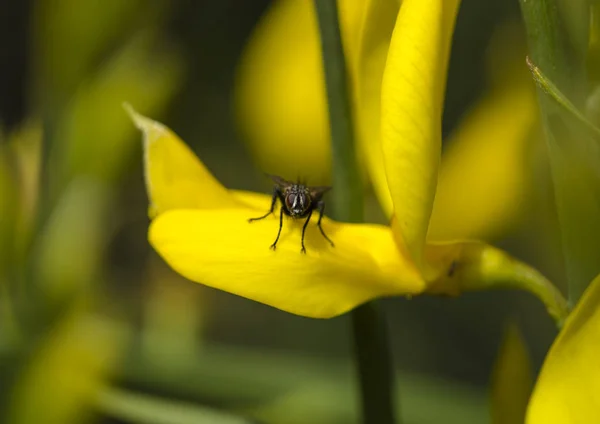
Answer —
280 91
512 379
200 228
71 366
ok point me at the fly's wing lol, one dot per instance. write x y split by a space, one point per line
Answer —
279 181
317 192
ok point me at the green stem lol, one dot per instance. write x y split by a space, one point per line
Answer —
347 192
374 363
375 366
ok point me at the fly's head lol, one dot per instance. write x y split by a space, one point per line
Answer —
297 200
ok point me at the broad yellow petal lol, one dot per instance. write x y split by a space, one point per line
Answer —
175 177
512 379
252 199
376 32
221 249
412 99
568 388
483 180
454 268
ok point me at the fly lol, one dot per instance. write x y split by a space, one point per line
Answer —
298 201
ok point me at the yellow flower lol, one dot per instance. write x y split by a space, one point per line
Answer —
282 111
201 228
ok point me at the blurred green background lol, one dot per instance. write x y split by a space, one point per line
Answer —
95 328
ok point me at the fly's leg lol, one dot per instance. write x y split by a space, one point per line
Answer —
274 245
273 200
303 250
321 206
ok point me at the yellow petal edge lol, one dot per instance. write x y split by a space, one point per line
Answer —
175 177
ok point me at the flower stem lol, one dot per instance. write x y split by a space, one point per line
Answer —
373 357
347 194
374 364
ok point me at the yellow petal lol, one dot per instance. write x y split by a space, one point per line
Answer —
453 268
375 36
221 249
512 379
252 199
568 388
175 177
483 180
412 99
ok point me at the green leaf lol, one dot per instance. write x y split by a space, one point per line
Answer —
69 249
574 153
548 87
143 409
279 388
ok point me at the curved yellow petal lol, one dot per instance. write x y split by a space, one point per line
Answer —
280 90
453 268
221 249
412 98
375 35
484 180
568 388
175 177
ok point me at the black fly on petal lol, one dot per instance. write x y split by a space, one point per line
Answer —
298 201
